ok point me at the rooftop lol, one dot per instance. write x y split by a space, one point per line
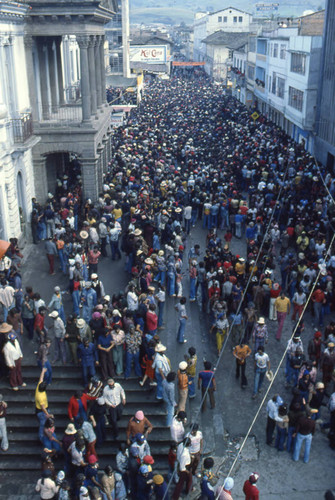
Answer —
231 40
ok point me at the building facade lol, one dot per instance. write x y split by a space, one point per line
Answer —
325 117
282 73
16 127
228 20
69 126
117 34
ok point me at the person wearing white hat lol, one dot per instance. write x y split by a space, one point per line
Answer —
260 333
162 366
59 331
182 386
56 302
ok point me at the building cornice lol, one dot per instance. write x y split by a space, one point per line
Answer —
13 12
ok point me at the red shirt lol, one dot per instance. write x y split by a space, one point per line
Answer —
250 490
39 322
73 407
93 257
151 320
318 296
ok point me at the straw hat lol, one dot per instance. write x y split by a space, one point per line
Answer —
83 234
70 430
5 328
160 348
261 321
80 323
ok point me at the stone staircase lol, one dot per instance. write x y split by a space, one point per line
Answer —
20 465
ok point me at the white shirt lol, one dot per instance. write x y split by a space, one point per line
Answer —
187 212
114 397
177 430
132 301
261 360
12 353
195 442
184 458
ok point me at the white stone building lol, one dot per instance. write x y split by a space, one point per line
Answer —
229 20
16 133
286 77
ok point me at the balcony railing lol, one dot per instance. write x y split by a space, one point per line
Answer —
61 115
22 127
73 93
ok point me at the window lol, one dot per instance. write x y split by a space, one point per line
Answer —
235 19
252 44
251 72
270 83
230 54
219 19
282 51
240 19
275 50
274 79
298 63
295 98
225 19
280 87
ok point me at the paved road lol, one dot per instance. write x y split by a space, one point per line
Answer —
223 427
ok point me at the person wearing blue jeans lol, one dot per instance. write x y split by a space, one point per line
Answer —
88 358
169 396
262 364
161 365
130 358
133 343
43 362
41 404
160 297
304 432
282 426
181 309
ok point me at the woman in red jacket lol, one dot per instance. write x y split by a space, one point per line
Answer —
78 406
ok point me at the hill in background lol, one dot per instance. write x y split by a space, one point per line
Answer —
177 11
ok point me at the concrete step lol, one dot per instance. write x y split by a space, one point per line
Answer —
29 421
17 435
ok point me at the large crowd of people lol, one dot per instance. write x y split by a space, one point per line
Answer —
188 157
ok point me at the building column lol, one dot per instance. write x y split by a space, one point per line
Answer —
40 176
44 79
89 172
103 70
51 47
98 69
61 99
83 42
29 44
105 156
100 152
92 70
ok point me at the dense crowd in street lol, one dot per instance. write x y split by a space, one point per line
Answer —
187 156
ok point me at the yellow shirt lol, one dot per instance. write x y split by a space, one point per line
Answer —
282 305
117 212
41 398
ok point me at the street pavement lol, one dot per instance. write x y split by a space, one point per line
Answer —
226 425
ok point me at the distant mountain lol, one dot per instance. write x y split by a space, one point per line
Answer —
176 11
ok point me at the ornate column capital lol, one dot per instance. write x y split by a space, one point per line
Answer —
83 41
93 40
28 41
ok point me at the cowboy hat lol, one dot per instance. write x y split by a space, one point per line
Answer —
160 348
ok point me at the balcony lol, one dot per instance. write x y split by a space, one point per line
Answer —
60 116
22 128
